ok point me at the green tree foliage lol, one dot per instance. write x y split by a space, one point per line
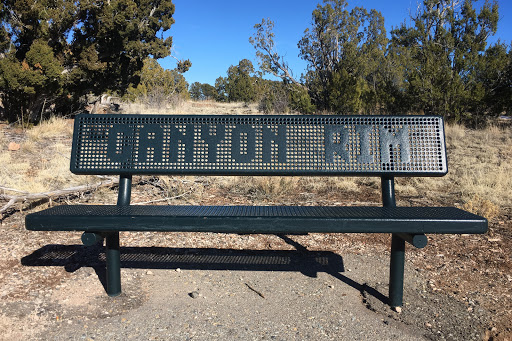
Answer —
53 52
202 91
195 91
299 99
157 85
275 98
220 89
208 91
445 46
439 64
280 97
345 51
495 77
239 84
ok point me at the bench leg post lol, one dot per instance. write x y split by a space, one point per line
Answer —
113 258
396 271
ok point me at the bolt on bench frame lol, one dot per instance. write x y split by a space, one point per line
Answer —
285 145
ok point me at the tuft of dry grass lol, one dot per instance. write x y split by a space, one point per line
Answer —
42 162
482 207
55 127
479 166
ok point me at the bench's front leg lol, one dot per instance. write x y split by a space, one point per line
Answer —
396 271
113 257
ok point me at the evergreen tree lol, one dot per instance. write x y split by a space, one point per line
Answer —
157 85
208 91
344 51
445 45
54 51
195 91
239 84
494 75
220 89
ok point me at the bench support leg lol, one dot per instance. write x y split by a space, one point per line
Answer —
113 256
396 271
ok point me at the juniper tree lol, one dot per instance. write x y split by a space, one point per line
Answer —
54 51
344 51
445 44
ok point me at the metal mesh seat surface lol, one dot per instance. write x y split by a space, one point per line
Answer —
257 219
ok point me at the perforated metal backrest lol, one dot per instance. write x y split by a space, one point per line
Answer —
259 145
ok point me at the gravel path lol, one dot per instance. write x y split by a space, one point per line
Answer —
307 296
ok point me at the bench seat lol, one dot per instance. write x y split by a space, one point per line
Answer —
257 219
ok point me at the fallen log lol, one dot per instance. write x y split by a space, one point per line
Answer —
25 196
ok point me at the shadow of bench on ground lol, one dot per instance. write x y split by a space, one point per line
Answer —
309 263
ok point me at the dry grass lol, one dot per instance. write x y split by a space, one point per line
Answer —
480 164
192 107
42 162
53 128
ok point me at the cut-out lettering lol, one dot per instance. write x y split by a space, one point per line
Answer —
243 140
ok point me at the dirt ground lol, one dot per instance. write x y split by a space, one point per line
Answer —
457 288
193 286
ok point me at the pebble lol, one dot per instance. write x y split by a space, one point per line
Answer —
194 294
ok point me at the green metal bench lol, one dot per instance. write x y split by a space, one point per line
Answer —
383 146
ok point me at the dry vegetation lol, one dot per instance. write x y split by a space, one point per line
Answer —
480 164
192 107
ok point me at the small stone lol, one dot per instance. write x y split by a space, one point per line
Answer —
428 325
397 309
194 294
13 146
149 273
178 270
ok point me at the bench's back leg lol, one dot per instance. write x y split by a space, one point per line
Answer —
396 266
396 271
113 258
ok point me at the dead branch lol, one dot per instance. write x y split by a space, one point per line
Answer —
13 199
3 188
163 199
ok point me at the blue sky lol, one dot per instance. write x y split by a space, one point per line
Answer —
215 34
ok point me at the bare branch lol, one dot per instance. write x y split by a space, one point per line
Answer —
13 199
163 199
12 190
268 58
